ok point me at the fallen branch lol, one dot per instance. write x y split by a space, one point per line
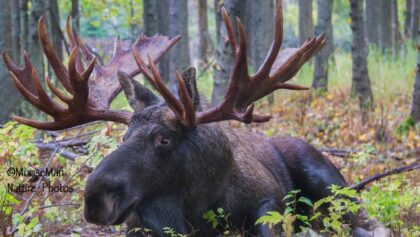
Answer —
52 147
361 185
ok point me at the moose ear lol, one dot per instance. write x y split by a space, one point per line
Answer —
188 75
137 95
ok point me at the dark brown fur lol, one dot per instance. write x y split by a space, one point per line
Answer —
168 175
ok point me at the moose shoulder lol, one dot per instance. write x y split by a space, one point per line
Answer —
178 159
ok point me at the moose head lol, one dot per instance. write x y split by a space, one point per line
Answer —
176 161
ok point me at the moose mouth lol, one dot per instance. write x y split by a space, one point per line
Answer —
113 215
118 216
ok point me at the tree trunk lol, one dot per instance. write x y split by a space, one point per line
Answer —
75 14
407 20
305 20
386 26
54 27
323 25
150 17
24 24
162 11
203 32
373 20
34 48
235 8
179 56
414 20
396 35
9 97
415 106
360 78
261 32
15 28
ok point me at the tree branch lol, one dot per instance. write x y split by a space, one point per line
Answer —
361 185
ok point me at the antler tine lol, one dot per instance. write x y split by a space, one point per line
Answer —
240 68
143 68
277 68
35 123
24 73
170 99
79 81
189 110
49 106
230 31
59 69
265 67
183 110
57 92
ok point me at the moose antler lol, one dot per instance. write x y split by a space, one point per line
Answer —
243 89
91 89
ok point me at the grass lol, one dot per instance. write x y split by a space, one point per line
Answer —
389 77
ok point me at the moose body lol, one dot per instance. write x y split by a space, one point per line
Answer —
178 160
201 169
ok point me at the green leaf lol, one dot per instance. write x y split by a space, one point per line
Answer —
306 201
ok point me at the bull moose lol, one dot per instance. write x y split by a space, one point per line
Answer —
178 158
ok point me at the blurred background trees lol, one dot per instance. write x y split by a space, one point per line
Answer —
390 27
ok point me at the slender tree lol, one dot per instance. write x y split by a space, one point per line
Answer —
24 24
15 28
396 34
150 17
34 47
162 13
407 19
360 78
373 20
415 106
203 31
386 26
306 27
414 20
9 97
235 8
324 25
54 27
179 56
75 14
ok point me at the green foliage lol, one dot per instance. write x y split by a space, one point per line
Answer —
337 206
98 17
219 220
172 233
405 126
394 205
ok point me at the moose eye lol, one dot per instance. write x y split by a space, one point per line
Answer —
162 141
